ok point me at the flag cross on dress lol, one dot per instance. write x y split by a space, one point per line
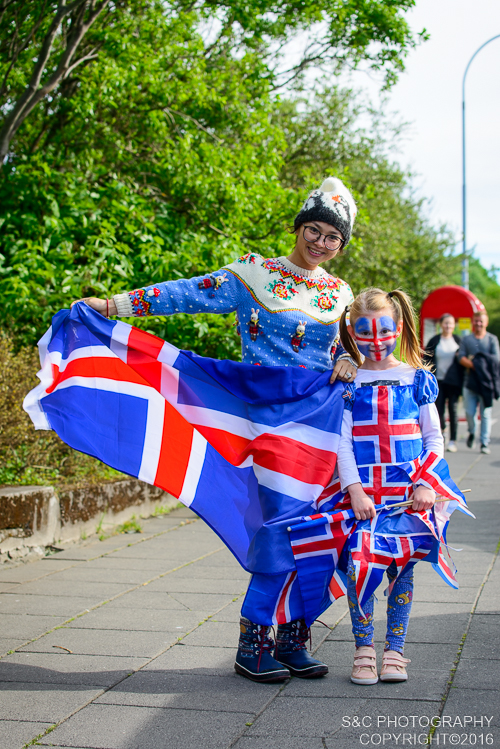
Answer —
385 427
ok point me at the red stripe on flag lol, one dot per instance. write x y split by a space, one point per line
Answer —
95 367
274 452
281 617
230 446
142 356
175 451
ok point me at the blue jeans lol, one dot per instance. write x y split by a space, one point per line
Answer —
471 402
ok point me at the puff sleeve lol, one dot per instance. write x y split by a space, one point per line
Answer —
425 387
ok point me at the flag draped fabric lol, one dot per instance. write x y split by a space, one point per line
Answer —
247 448
252 450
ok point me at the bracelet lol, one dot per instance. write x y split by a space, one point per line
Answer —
348 357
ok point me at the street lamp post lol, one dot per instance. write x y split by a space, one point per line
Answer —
465 257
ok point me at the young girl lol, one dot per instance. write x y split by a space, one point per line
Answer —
393 419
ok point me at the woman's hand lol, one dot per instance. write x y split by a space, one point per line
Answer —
423 498
344 371
106 307
363 506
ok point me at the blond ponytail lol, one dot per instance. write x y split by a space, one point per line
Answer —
346 340
410 348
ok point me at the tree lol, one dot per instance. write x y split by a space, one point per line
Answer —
45 44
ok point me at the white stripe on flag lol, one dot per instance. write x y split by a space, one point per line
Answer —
168 354
194 469
283 484
199 416
119 340
152 438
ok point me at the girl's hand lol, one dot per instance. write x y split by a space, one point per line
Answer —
104 306
344 371
423 498
363 506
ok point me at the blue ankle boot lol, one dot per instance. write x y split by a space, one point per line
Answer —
291 651
254 659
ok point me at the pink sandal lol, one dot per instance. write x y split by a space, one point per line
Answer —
364 670
393 666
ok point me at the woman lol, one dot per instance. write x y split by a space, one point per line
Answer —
288 310
441 354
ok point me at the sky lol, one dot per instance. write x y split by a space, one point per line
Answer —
428 96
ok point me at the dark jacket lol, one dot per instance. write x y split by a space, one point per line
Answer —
455 374
484 379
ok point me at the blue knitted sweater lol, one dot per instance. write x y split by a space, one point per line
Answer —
286 315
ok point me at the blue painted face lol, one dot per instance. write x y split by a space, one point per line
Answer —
376 337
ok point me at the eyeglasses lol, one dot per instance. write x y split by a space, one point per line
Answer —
332 241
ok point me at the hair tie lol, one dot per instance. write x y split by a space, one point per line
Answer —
390 294
347 309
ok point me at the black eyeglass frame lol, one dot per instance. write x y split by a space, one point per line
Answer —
313 228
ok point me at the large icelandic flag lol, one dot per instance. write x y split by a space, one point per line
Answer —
247 448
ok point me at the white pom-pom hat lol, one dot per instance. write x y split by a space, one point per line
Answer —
333 204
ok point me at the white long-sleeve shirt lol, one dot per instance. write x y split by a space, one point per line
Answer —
428 420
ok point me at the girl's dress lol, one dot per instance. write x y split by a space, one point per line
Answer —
390 422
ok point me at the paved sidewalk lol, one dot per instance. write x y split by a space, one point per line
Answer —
129 644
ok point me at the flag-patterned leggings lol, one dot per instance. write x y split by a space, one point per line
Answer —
398 609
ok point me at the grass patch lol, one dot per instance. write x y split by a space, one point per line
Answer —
161 510
130 526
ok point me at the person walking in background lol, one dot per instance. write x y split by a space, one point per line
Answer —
479 353
440 353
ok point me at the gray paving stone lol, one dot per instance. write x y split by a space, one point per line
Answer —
205 601
146 620
124 727
482 637
57 588
256 742
65 668
205 572
187 583
111 562
477 703
473 674
432 629
43 703
194 660
8 587
14 734
339 655
89 574
305 717
324 717
218 634
159 688
338 684
26 627
143 598
45 605
33 570
103 642
9 643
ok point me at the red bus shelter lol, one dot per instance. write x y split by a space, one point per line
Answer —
459 302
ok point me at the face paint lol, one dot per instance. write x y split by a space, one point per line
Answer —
375 337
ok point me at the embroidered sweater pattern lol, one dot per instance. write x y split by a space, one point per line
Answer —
287 316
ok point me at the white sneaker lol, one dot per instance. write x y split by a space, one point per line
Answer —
452 447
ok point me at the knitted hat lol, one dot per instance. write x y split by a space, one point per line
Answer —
333 204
